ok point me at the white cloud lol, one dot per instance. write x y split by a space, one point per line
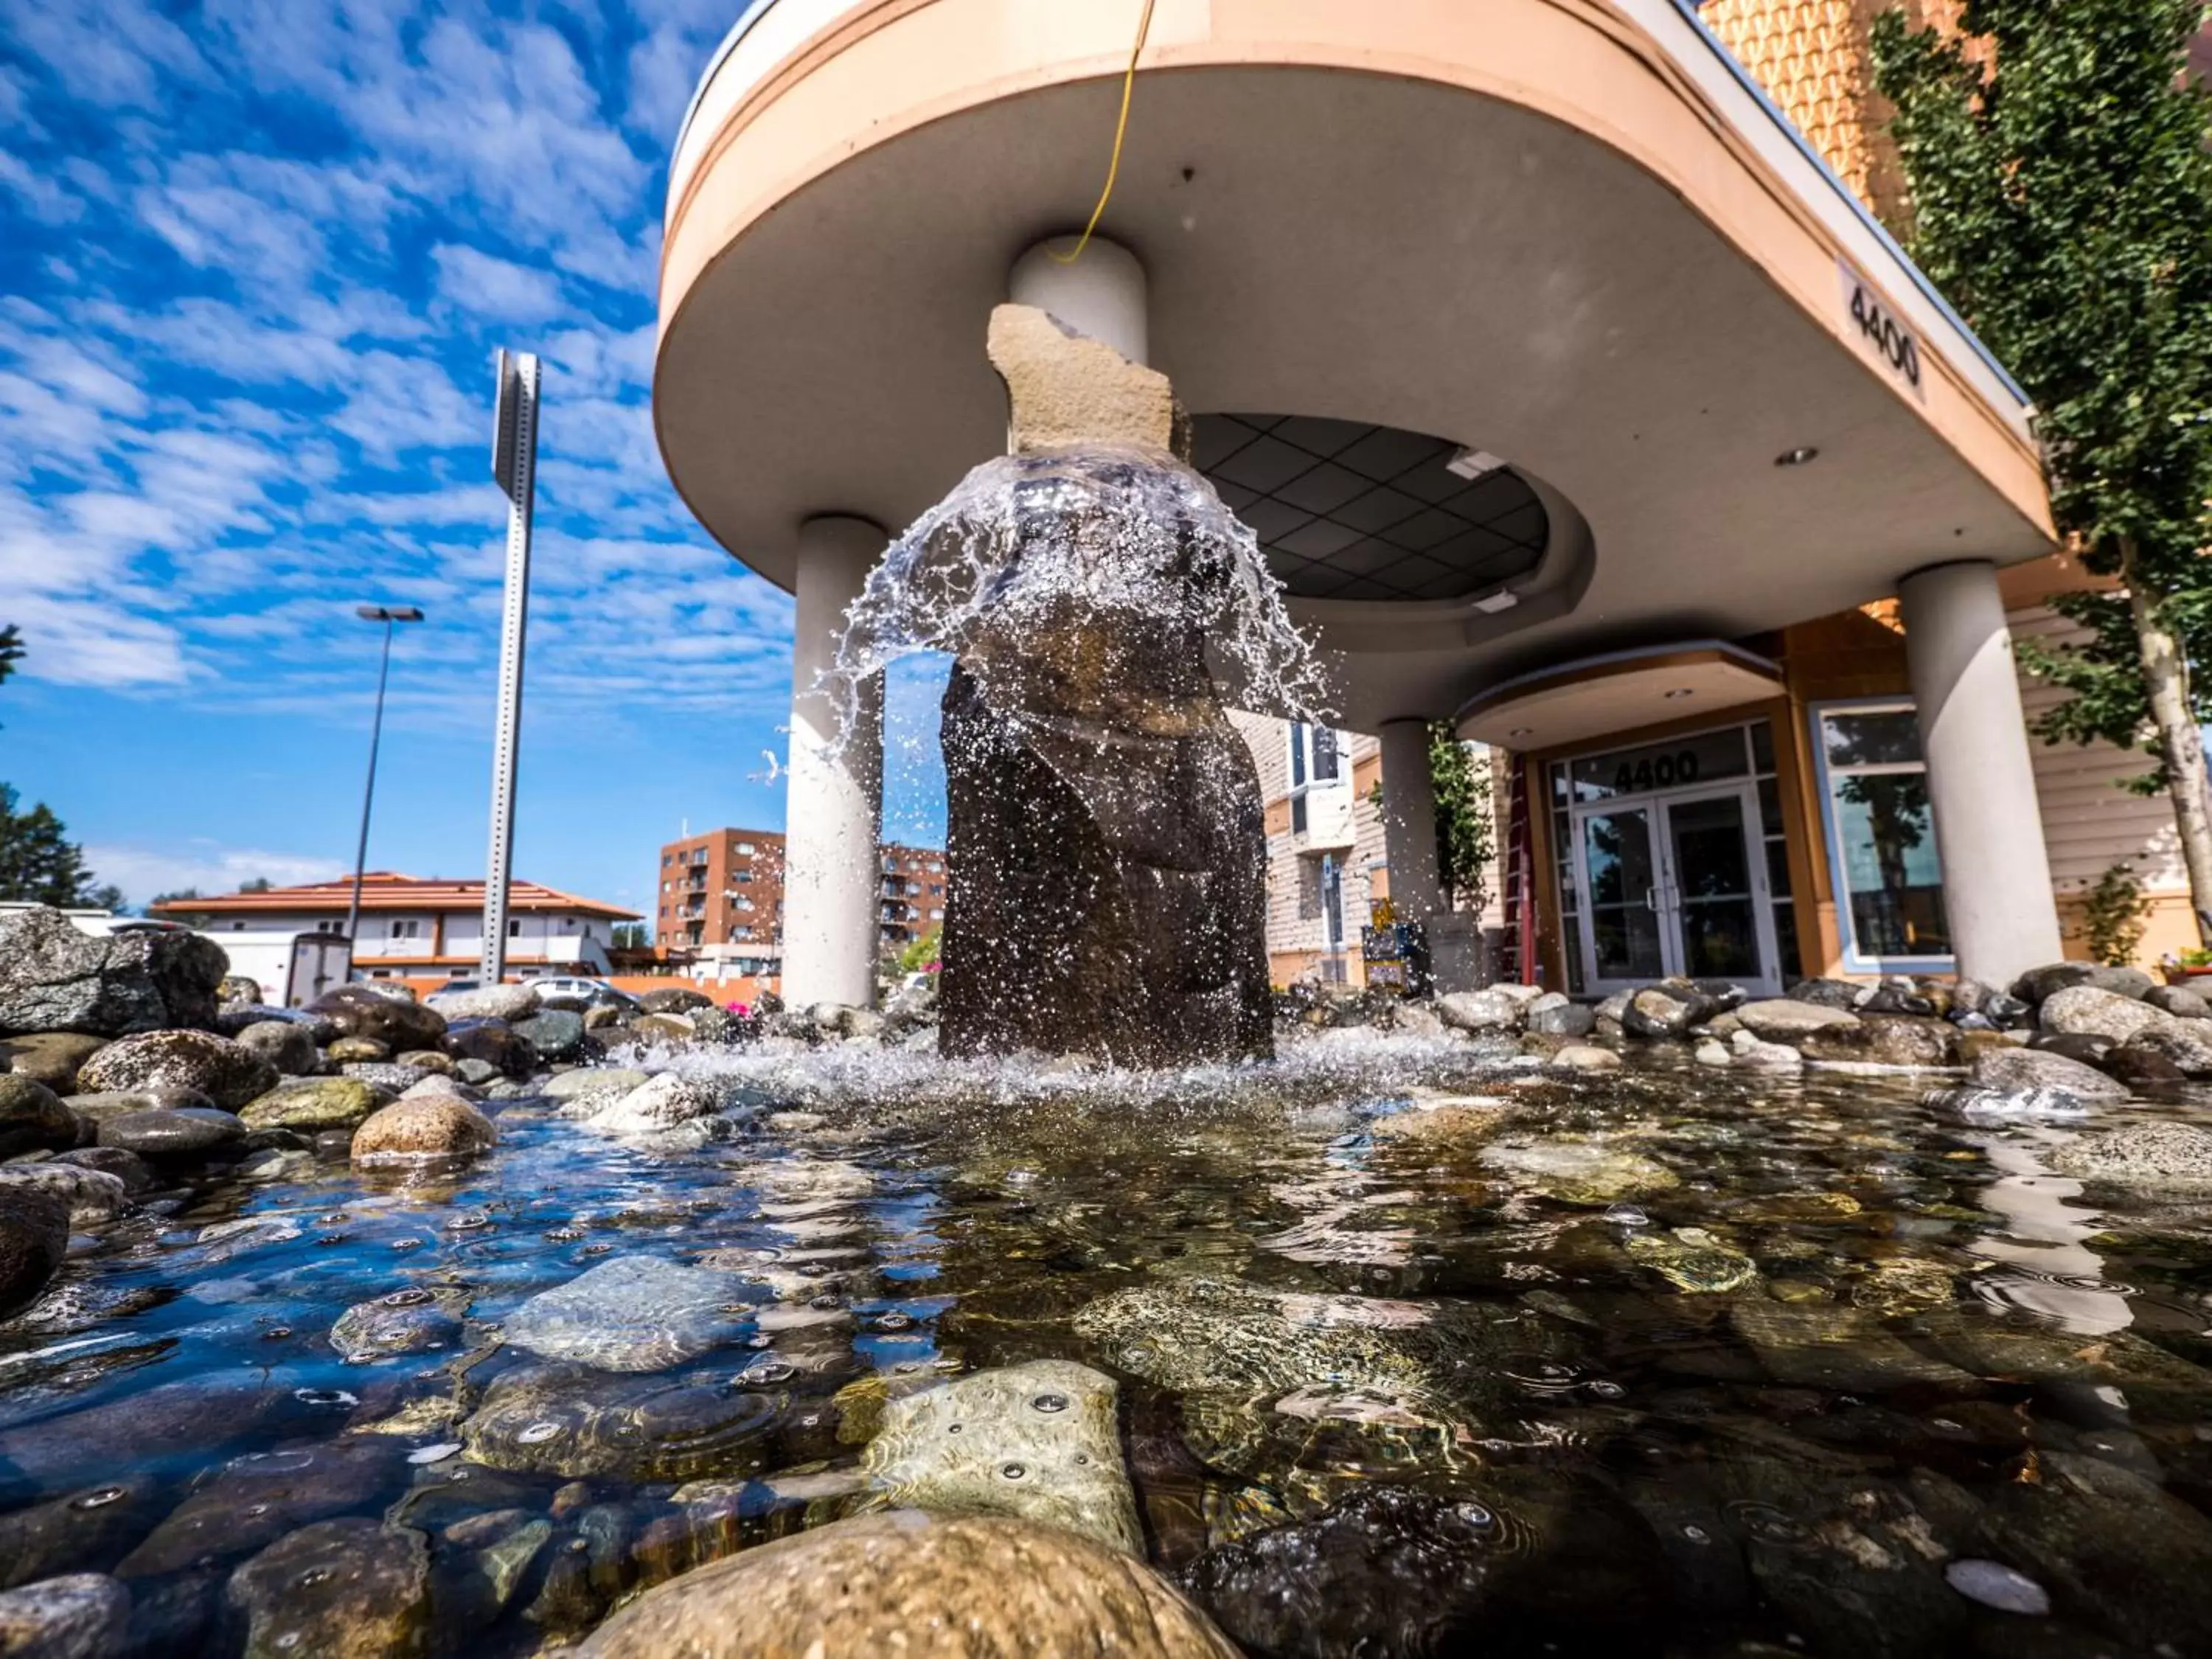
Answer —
496 288
142 871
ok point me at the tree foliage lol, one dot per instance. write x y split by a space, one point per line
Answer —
2104 672
1465 822
11 649
2063 199
38 863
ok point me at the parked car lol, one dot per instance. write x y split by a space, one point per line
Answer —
561 990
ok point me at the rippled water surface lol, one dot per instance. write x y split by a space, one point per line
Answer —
1413 1350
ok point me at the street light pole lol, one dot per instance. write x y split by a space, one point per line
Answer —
387 616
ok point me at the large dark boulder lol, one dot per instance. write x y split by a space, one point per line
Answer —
1108 893
400 1023
55 977
493 1041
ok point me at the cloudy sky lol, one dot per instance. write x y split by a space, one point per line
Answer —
257 254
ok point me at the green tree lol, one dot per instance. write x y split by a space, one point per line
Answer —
38 863
11 649
1464 817
2063 198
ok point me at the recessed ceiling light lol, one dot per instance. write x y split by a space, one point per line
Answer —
1473 464
1681 691
1796 457
1522 732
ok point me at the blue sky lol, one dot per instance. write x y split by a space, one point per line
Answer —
257 254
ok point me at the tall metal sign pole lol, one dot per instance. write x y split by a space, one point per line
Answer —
514 464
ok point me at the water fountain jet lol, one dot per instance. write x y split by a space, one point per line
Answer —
1105 844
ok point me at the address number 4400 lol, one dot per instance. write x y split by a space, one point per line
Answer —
1892 340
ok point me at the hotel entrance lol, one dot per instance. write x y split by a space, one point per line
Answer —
1673 863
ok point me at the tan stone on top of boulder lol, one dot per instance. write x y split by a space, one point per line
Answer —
974 1587
439 1126
52 1058
1066 388
1779 1020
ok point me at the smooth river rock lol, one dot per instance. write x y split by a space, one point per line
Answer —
434 1126
398 1022
1779 1019
184 1132
631 1313
971 1587
32 1118
93 1196
2160 1155
1039 1442
2025 1071
286 1044
223 1071
52 1058
309 1103
35 1228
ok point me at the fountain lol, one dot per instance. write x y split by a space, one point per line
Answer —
1105 837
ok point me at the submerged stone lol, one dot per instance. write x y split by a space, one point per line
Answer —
631 1313
983 1586
1038 1441
1388 1571
338 1589
574 1420
253 1500
79 1616
1576 1172
1692 1259
411 1320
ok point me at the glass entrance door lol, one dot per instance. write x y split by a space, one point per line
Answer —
1621 875
1715 911
1675 889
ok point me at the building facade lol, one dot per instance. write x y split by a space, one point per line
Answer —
1559 359
720 898
410 928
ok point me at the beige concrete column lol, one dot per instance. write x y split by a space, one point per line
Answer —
1989 823
1409 820
834 809
1102 295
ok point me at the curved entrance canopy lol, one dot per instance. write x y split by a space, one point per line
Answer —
1563 234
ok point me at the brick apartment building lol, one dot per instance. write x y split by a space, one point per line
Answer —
719 897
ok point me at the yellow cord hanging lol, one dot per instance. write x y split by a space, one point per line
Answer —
1121 131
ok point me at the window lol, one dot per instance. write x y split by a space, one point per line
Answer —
326 928
1881 833
237 926
408 929
744 849
743 877
1314 764
515 928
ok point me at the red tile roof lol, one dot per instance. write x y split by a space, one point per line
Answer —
386 890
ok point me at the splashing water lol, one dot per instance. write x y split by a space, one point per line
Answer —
1028 544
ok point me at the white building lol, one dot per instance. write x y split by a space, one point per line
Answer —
409 928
